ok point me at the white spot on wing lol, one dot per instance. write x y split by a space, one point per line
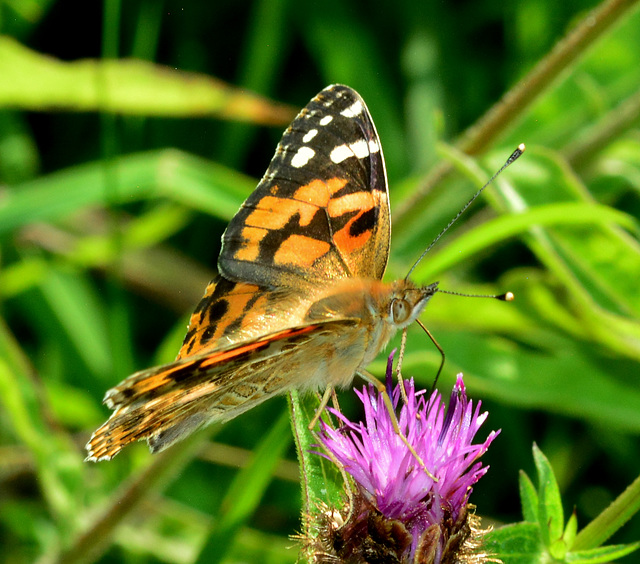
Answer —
326 120
340 153
353 110
302 157
359 149
373 146
309 135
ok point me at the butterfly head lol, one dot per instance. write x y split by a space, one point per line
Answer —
407 302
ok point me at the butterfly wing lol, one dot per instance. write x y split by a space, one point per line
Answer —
320 214
166 403
321 211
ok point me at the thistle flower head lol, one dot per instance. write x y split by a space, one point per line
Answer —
391 484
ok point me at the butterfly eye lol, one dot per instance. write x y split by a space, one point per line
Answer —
400 311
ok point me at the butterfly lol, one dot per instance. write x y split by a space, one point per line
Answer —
298 302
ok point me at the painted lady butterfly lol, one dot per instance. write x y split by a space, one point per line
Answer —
298 303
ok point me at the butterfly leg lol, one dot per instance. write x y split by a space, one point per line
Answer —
403 343
328 393
394 419
334 399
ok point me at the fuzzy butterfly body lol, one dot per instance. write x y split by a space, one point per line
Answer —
298 302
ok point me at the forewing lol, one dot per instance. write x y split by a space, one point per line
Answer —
322 209
166 403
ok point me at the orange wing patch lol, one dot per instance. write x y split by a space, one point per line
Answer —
250 250
319 192
275 213
299 250
358 230
356 202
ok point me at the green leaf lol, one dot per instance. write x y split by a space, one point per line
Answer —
571 530
519 543
258 69
38 82
182 178
23 275
81 316
596 261
144 231
551 517
97 532
528 499
19 159
506 226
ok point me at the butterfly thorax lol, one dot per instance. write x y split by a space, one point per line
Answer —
376 310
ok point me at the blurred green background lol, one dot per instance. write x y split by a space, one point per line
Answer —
131 132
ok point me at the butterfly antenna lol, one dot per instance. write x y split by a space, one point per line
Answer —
506 297
514 156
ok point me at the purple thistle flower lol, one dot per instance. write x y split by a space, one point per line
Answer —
391 483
